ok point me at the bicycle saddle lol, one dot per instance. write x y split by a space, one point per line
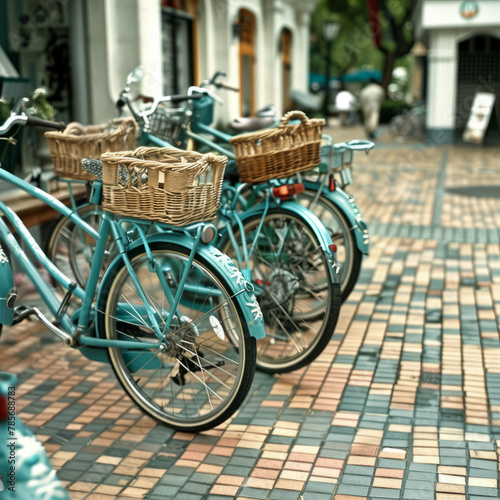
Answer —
231 173
251 124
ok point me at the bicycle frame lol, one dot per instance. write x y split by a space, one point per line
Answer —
108 226
335 193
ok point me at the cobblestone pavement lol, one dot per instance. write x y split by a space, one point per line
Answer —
404 402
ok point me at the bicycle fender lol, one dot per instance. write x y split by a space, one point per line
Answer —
242 289
7 292
346 203
314 223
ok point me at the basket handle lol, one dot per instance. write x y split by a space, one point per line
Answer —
293 115
208 159
74 128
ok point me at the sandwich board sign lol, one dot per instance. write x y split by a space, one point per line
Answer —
479 117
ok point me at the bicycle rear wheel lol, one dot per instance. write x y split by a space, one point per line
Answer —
71 249
299 302
348 255
205 370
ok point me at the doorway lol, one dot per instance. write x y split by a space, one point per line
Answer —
478 71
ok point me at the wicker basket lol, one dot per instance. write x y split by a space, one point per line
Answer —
168 124
76 142
163 184
279 152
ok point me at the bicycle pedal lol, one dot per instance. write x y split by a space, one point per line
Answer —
21 313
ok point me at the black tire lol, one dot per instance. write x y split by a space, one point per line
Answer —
348 256
65 247
71 249
300 313
231 374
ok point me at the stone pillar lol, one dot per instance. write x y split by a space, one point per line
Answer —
150 46
300 49
101 106
272 21
441 87
122 34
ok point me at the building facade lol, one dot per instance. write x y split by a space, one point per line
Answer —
262 45
463 57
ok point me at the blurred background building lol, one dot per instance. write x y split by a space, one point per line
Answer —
82 50
463 58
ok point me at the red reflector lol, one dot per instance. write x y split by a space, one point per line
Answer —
258 282
333 247
332 183
299 188
266 283
3 409
288 190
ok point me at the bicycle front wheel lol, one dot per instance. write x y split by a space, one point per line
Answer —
203 373
299 302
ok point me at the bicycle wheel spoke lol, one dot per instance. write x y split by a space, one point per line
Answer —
198 374
295 289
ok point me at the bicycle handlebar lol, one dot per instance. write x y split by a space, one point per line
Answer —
355 145
124 100
214 81
217 74
11 122
229 87
33 121
180 97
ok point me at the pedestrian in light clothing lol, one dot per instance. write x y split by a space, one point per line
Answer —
345 104
371 99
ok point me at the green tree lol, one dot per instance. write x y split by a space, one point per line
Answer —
392 29
373 33
353 47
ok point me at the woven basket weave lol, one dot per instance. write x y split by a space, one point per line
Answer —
163 184
278 152
67 148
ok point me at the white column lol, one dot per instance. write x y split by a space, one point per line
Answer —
276 96
101 106
122 42
121 35
206 39
300 51
442 81
150 46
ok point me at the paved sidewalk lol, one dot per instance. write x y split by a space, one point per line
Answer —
404 403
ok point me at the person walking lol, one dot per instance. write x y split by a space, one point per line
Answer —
371 99
345 104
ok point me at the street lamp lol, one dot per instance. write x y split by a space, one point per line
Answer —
330 32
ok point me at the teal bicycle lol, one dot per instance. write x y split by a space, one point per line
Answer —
171 314
278 245
325 185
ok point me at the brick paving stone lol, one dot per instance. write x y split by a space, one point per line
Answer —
403 403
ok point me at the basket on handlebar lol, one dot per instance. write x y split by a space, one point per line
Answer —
163 184
203 110
168 123
279 152
67 148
